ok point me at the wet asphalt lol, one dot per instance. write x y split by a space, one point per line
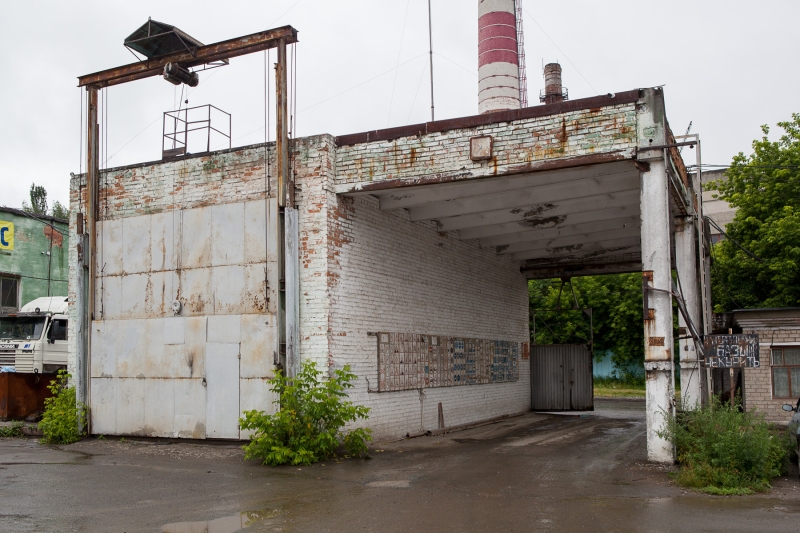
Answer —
531 473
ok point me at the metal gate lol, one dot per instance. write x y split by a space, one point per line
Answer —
561 378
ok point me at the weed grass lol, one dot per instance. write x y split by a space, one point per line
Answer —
611 387
725 451
14 430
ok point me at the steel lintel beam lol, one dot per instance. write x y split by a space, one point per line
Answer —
574 271
588 250
239 46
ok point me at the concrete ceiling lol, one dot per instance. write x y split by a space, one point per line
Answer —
587 215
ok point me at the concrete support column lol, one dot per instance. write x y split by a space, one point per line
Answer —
657 274
687 267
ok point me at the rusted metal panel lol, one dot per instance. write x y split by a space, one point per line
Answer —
561 378
103 407
731 351
130 396
255 231
174 330
190 408
159 408
224 329
196 244
247 44
104 348
228 286
22 395
227 234
257 346
415 361
492 118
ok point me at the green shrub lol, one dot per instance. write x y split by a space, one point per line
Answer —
63 415
725 451
14 430
308 426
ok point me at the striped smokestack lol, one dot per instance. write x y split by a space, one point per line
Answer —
498 62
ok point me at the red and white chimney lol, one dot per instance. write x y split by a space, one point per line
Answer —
498 59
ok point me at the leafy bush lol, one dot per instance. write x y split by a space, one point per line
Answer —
63 414
308 426
724 451
14 430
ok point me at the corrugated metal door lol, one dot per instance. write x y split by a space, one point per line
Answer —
561 378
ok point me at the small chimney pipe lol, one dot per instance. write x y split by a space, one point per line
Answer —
553 92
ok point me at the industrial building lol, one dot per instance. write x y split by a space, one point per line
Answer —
403 252
33 257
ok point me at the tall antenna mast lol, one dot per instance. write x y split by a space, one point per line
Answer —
430 42
523 77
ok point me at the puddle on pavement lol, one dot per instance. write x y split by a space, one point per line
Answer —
399 484
226 524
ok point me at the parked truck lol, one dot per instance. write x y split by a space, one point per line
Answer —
34 340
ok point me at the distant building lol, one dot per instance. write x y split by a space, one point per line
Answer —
777 380
33 257
718 209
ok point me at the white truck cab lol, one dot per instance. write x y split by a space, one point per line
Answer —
34 340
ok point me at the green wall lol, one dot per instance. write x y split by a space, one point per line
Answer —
26 260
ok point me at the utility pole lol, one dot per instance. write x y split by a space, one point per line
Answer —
430 48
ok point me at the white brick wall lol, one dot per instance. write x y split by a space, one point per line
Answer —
516 144
397 276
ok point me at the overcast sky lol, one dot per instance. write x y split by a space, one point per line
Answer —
727 66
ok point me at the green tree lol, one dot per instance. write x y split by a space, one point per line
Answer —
616 301
38 204
764 187
59 210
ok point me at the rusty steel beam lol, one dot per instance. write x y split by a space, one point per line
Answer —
282 127
92 212
239 46
578 270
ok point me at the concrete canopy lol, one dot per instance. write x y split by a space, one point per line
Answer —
561 192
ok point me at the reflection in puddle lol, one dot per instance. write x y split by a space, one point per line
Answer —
226 524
